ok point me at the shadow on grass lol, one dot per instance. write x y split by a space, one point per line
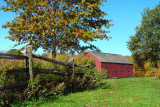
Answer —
56 98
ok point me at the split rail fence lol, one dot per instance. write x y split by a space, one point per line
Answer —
28 57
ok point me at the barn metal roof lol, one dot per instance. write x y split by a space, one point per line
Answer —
110 58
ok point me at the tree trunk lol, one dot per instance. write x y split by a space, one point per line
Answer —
54 45
54 52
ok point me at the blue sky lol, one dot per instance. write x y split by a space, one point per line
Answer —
126 15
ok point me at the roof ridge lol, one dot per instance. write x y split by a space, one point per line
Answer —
106 53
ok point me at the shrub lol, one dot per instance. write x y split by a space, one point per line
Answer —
14 52
146 70
157 74
49 84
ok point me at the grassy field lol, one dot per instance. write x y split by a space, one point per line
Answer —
126 92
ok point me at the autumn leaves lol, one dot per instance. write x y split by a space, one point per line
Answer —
57 24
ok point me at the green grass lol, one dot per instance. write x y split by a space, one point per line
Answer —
126 92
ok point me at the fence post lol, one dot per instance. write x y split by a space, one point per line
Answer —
30 63
26 64
73 69
73 66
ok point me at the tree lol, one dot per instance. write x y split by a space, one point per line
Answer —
56 24
145 44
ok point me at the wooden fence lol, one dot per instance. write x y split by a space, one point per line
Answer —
28 57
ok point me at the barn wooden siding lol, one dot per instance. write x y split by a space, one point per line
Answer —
120 70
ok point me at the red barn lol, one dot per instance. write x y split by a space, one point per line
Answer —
116 65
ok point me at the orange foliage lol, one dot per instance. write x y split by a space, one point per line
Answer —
146 71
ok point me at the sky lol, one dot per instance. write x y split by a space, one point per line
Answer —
126 15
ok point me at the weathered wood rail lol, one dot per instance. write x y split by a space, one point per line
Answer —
58 61
9 56
28 70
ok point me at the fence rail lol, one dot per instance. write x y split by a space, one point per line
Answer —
16 71
59 62
28 70
47 71
9 56
13 85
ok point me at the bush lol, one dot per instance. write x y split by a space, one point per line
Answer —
14 52
145 70
49 84
157 74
